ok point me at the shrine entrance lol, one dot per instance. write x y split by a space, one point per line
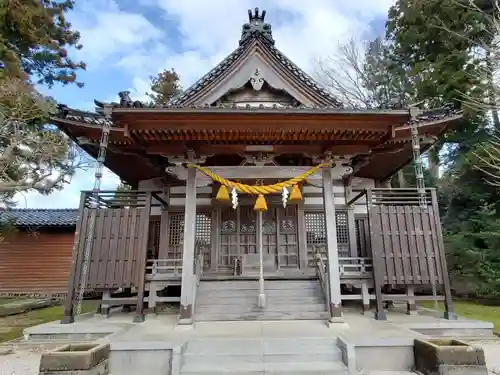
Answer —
238 237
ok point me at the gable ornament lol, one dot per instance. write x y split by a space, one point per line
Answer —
256 80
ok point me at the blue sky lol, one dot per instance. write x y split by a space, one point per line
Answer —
126 41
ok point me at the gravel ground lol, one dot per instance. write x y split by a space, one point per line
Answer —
22 363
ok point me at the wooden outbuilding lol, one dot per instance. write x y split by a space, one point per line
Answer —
256 173
36 251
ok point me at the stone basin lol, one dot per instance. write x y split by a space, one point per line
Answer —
84 358
448 357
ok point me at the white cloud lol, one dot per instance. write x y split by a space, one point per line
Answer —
106 31
69 197
209 30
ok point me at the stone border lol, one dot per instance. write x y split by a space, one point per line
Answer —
176 348
348 354
55 328
28 306
5 351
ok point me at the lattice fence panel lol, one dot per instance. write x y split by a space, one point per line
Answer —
204 237
316 234
175 237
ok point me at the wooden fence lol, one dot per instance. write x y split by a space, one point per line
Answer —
406 241
117 247
112 233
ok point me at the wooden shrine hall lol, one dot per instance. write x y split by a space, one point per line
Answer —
256 196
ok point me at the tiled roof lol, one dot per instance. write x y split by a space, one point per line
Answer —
40 217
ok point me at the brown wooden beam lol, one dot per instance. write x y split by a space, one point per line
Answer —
207 149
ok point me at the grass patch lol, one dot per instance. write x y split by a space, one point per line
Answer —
5 300
12 327
472 310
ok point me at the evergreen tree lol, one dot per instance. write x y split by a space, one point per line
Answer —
164 86
34 41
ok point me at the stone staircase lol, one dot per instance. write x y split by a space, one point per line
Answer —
237 300
270 356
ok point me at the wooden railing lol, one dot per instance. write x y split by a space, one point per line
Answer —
162 268
121 199
355 267
198 271
395 197
323 278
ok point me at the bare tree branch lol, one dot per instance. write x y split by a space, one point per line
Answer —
343 74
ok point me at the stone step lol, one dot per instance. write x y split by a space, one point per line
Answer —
278 300
212 359
267 345
270 307
281 368
206 317
279 285
316 292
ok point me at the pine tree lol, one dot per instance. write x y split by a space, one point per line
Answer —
164 86
34 41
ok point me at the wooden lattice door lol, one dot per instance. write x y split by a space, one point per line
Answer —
247 230
269 239
238 235
288 248
203 239
229 241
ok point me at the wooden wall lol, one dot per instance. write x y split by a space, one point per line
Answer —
36 263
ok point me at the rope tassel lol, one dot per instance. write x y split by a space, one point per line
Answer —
223 194
295 195
260 204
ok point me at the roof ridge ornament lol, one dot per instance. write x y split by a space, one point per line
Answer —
256 26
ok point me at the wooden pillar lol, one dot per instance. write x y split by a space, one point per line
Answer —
411 307
334 294
143 254
301 237
105 307
79 243
351 221
186 312
365 296
448 301
378 279
164 235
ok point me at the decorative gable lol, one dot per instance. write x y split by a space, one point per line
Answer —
275 79
253 81
263 96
